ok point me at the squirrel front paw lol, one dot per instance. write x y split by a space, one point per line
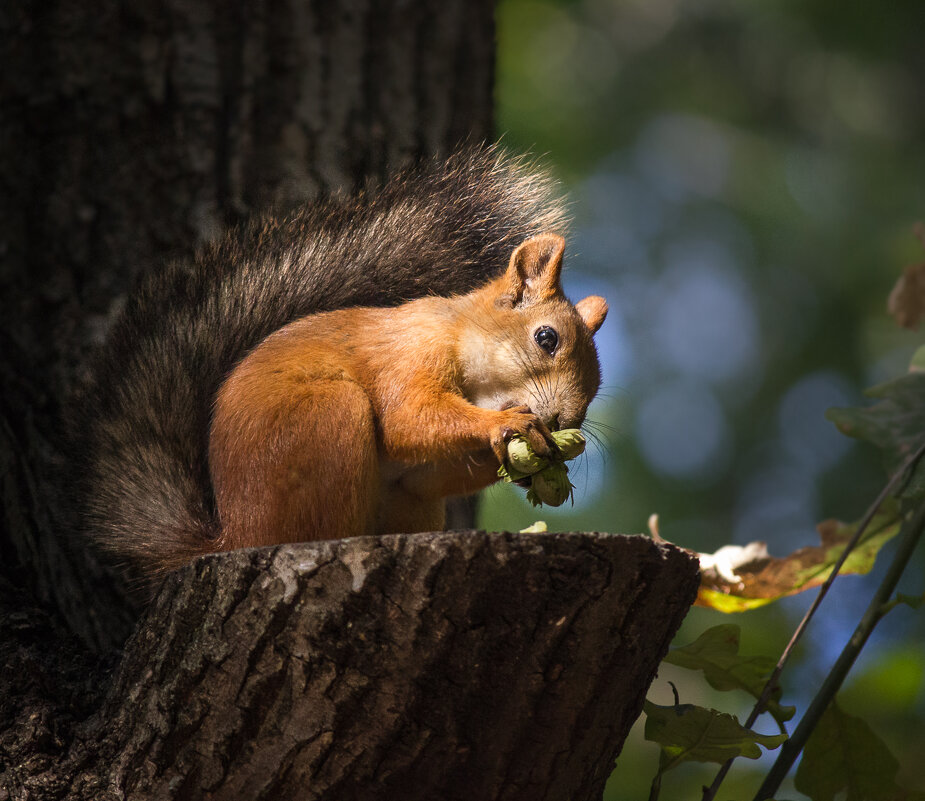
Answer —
519 420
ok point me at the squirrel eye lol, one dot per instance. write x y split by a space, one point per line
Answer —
546 338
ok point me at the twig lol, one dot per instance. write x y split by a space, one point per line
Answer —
912 532
710 792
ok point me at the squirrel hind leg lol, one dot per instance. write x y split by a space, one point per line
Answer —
416 501
403 512
303 469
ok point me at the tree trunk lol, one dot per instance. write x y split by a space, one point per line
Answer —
131 133
432 666
420 666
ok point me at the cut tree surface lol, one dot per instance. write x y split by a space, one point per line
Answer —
459 665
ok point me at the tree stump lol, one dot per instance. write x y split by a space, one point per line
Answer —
460 665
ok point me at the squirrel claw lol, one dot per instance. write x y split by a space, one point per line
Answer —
520 420
540 440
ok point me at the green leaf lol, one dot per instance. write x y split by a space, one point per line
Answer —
689 733
843 758
716 653
835 535
896 425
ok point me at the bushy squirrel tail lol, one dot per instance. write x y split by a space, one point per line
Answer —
441 228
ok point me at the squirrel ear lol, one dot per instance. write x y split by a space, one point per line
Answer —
533 272
593 310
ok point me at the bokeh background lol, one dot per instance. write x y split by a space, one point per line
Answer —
744 181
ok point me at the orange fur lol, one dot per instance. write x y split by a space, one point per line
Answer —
363 420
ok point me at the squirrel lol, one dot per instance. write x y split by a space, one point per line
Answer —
338 372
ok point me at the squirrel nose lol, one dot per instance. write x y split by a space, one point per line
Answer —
552 422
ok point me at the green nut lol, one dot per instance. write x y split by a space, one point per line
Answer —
522 459
551 485
509 474
570 442
549 477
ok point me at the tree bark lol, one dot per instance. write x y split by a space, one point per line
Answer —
454 666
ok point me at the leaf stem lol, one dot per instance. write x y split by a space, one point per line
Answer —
912 532
710 792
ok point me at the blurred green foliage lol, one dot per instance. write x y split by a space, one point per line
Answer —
745 178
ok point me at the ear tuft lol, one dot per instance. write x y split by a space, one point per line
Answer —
593 310
535 267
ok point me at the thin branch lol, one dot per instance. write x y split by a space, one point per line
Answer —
710 792
912 532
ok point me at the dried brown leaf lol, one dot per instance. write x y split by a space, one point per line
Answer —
736 578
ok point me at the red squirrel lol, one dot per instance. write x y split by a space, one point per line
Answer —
336 372
363 421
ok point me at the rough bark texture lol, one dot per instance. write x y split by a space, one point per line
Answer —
453 666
